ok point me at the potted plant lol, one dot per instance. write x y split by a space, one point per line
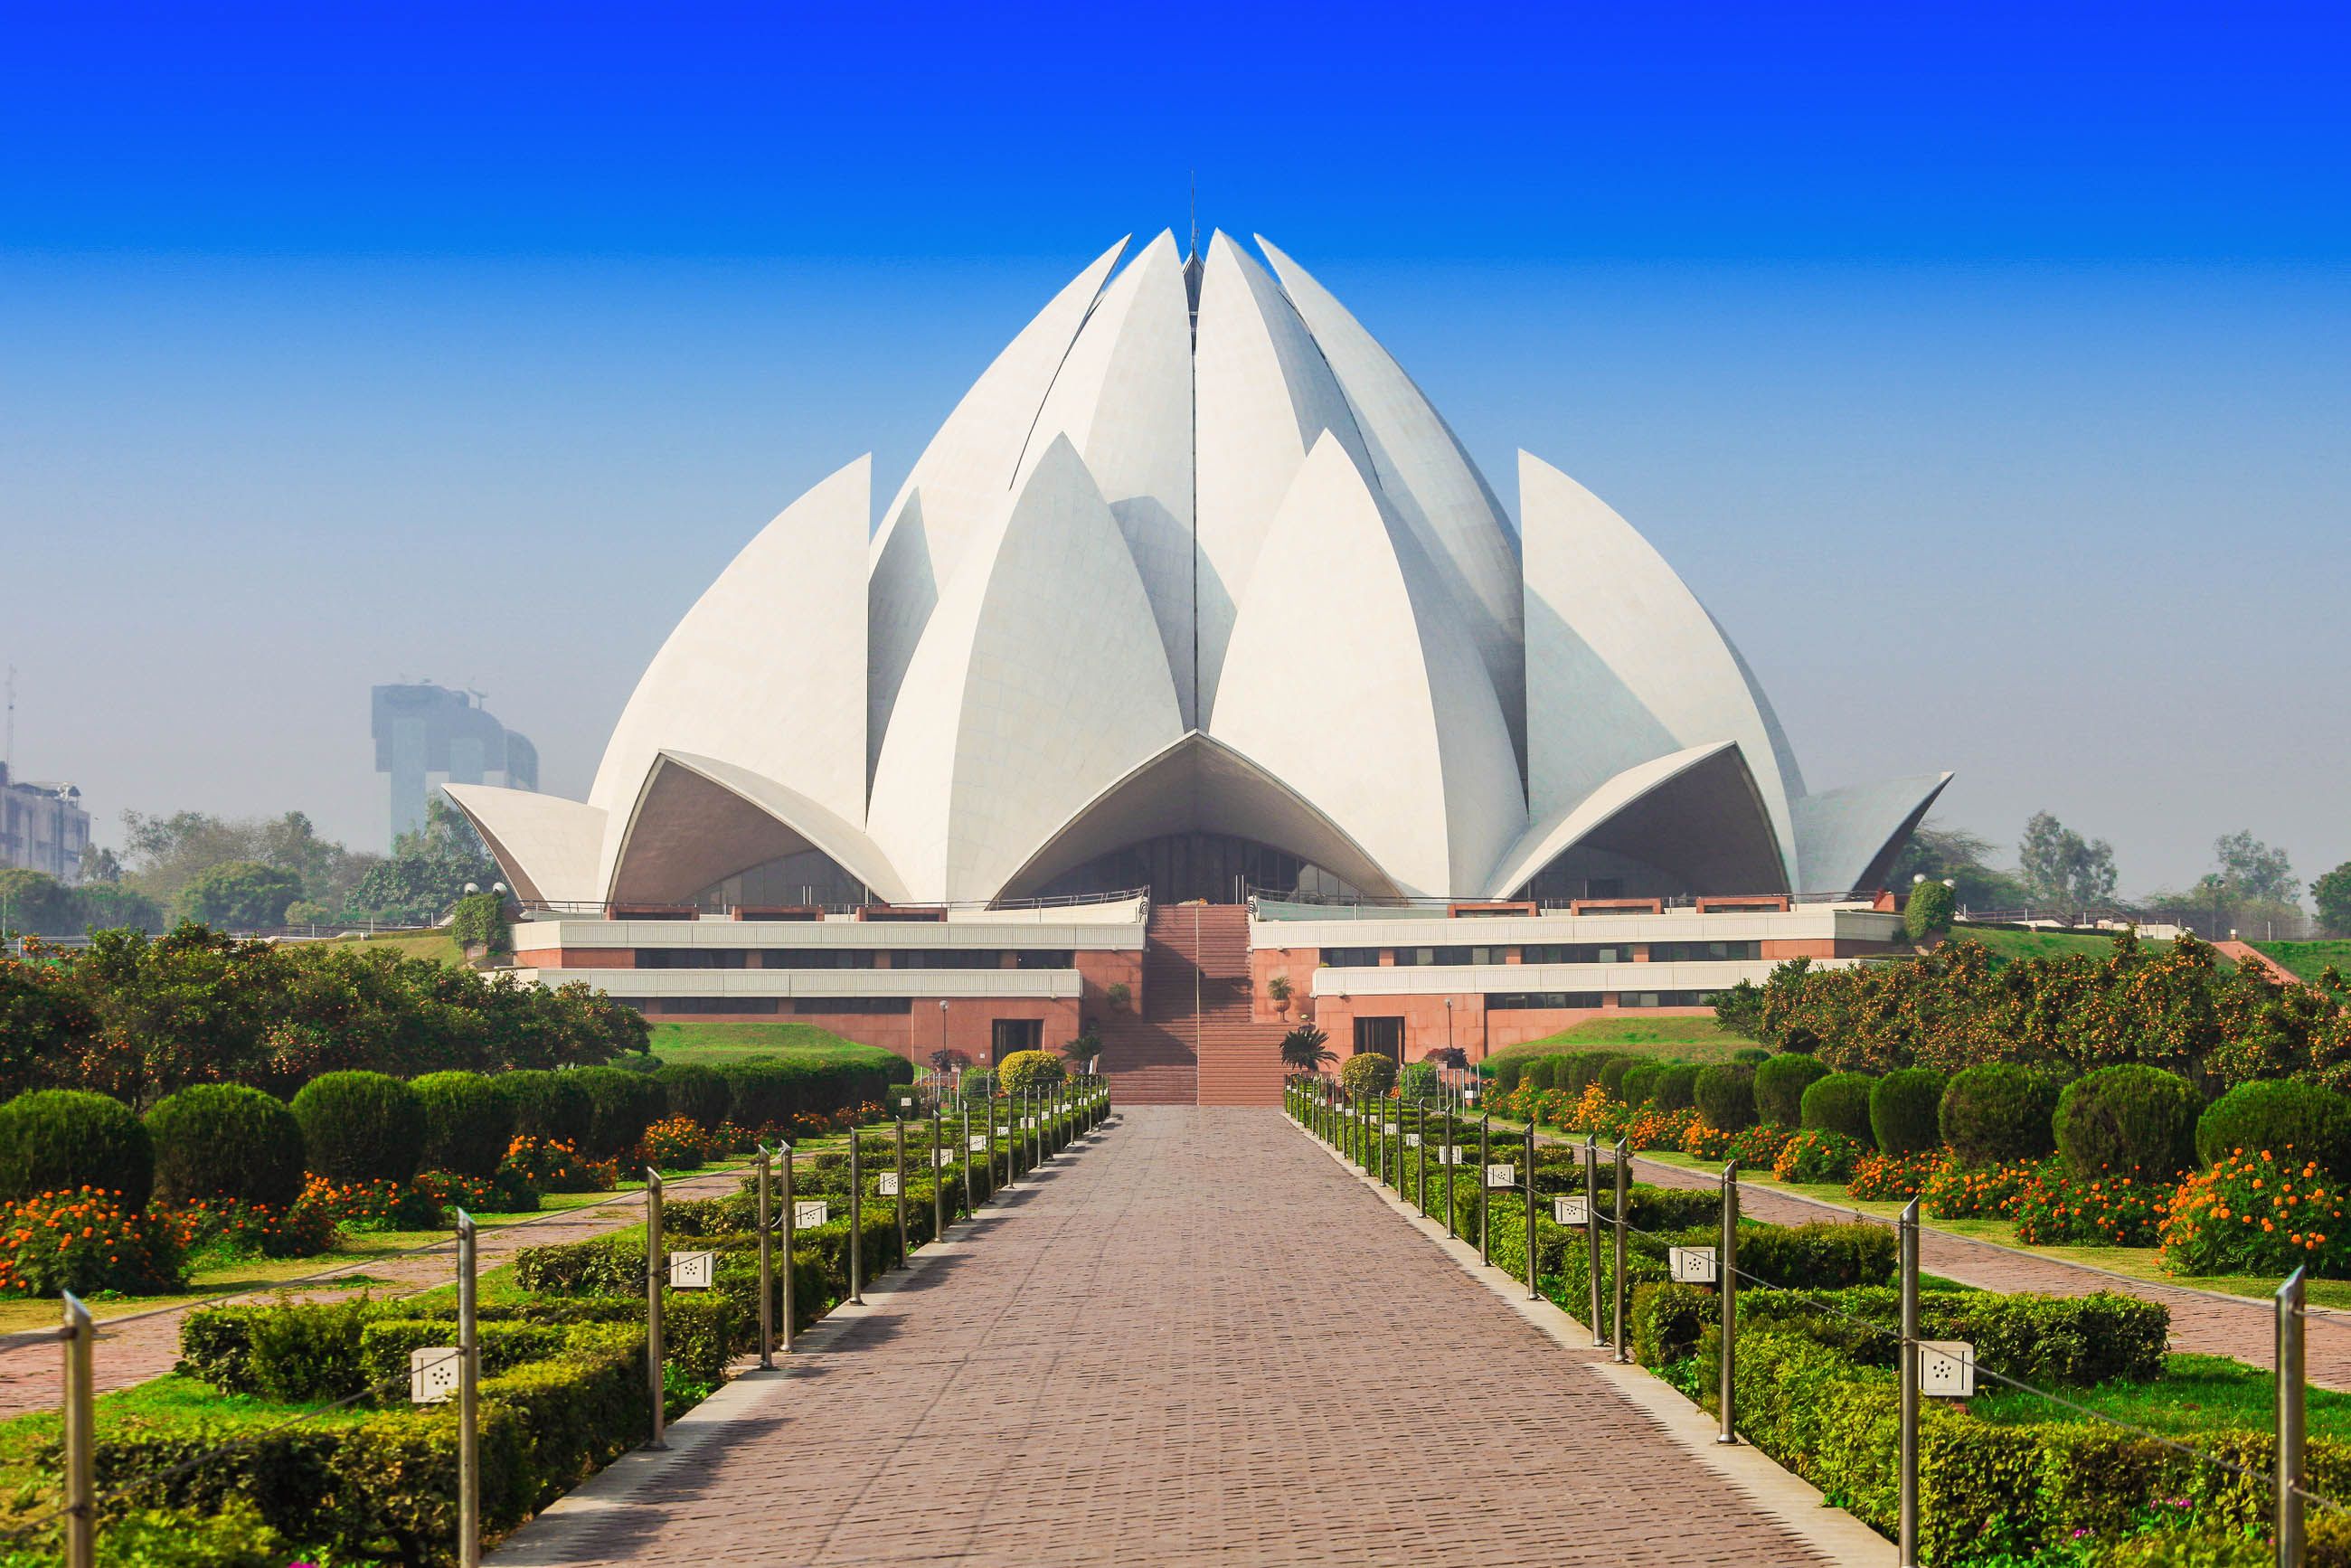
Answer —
1277 988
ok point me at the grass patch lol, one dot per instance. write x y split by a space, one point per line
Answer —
1698 1039
438 946
2307 958
2196 1394
714 1042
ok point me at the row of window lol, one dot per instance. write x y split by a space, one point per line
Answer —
656 1006
1554 953
851 958
1529 1001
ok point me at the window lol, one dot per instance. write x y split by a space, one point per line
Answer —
1529 1001
946 958
1383 1036
1577 953
1044 958
1006 1036
1446 957
1701 952
692 958
1352 957
709 1005
1666 1000
816 958
854 1004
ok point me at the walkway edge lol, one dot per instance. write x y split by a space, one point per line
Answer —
1794 1502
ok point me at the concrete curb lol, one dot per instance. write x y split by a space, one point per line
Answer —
1794 1503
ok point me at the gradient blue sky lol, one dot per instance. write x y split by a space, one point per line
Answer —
1986 371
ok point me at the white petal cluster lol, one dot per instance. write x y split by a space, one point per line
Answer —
1195 555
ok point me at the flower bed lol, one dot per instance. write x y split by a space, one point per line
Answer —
86 1241
2055 1208
2256 1213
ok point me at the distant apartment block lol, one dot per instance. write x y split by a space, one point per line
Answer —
42 827
428 735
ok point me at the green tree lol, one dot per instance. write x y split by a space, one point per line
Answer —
167 853
1926 915
428 870
1955 856
2253 870
2332 893
240 893
2064 871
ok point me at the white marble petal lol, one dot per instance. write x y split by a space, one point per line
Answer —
1349 679
1039 682
1846 839
1623 662
1729 837
546 844
1430 481
959 482
768 669
698 819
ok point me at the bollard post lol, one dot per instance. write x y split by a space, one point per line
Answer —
938 1177
1420 1125
1728 1261
1624 1195
80 1334
900 1124
1591 1230
653 1300
1485 1156
1907 1494
786 1150
1452 1160
992 1188
856 1223
1533 1242
963 1151
766 1271
2290 1394
469 1400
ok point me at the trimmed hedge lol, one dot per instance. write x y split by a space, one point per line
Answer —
758 1092
467 1123
223 1143
623 1104
2130 1120
62 1140
1725 1096
1906 1111
1840 1103
554 1106
1614 1072
1640 1081
1780 1085
696 1093
1505 1073
360 1126
1996 1112
1675 1088
2276 1114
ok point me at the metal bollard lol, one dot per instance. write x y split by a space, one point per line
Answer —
939 1178
1452 1160
1485 1157
1624 1195
766 1273
469 1400
2291 1395
900 1124
80 1335
1728 1270
653 1300
963 1151
1591 1230
789 1226
856 1223
1533 1242
1420 1125
1908 1541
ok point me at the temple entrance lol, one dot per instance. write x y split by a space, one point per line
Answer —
1009 1035
1217 868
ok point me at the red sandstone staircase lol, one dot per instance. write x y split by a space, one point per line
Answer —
1194 1042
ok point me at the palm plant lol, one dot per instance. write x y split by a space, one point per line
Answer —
1307 1049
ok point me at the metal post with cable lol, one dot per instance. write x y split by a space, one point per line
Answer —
1729 1275
654 1301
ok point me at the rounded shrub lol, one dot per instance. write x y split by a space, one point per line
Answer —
1675 1088
1584 1069
1840 1103
1639 1080
223 1143
1032 1072
626 1104
1906 1111
551 1107
62 1140
1996 1112
1505 1074
1780 1085
2276 1114
758 1092
1725 1097
2129 1120
1367 1072
467 1123
1613 1071
360 1126
1541 1073
696 1091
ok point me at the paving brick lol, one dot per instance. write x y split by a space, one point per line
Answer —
1196 1340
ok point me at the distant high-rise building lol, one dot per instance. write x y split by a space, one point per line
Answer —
42 827
428 735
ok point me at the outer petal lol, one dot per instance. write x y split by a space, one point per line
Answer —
768 669
1123 398
1623 662
1351 680
546 844
698 819
1695 814
1848 839
1040 680
1264 396
1429 479
962 478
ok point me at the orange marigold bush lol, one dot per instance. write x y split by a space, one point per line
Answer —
677 1144
1594 1111
1817 1154
2259 1211
229 1230
2055 1207
379 1205
1647 1129
551 1164
86 1241
1757 1147
1954 1192
1892 1178
1702 1142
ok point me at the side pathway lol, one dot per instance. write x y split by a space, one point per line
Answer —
134 1349
1195 1339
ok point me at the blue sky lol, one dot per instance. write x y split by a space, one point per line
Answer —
1986 371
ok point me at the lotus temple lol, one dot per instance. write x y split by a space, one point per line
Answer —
1193 656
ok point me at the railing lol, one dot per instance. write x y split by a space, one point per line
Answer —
603 910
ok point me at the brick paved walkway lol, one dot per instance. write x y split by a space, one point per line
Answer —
1197 1340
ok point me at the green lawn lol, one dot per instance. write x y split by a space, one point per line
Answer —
2307 958
436 945
2195 1393
714 1042
1698 1039
2036 944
